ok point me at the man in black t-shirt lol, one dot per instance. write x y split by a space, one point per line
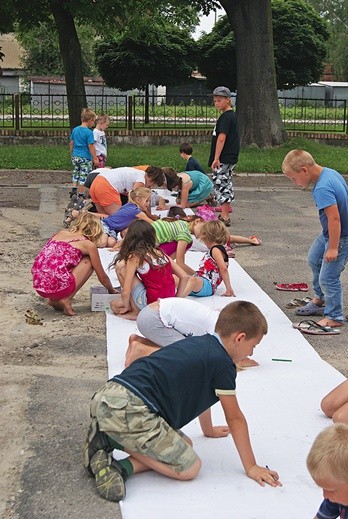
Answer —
224 152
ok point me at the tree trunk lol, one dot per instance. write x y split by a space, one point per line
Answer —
71 55
258 111
147 103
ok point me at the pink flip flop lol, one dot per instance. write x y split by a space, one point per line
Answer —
292 287
259 242
218 209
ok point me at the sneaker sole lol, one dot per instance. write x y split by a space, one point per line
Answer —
109 482
92 431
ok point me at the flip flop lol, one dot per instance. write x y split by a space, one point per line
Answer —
218 209
292 287
295 303
313 328
310 309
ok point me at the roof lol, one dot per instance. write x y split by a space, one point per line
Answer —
60 80
12 50
342 84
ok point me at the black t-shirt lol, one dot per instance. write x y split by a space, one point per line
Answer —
226 123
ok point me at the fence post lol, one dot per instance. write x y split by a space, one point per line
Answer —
16 111
130 113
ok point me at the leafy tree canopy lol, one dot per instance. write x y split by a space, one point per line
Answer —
42 53
165 56
299 35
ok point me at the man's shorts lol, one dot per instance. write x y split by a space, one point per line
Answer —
127 420
103 193
205 291
81 168
102 161
222 180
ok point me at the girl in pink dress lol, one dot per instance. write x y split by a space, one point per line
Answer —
144 271
66 262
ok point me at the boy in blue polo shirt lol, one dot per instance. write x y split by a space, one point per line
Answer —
142 409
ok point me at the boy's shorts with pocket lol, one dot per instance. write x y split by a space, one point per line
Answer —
127 420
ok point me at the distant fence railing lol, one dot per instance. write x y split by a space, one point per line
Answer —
43 111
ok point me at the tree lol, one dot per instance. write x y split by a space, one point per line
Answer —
160 56
41 49
335 12
257 103
300 37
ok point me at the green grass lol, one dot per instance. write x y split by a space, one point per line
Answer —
253 159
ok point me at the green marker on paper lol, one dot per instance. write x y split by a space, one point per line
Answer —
282 360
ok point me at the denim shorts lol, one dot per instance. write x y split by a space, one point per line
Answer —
139 295
205 291
107 230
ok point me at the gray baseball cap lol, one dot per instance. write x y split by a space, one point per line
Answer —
222 91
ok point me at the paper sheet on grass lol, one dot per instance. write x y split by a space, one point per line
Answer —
281 403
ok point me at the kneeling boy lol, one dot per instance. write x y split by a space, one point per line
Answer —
142 409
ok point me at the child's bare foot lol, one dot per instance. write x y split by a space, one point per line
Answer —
330 322
56 305
247 363
130 353
255 240
67 308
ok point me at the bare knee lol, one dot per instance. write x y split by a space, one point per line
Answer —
190 473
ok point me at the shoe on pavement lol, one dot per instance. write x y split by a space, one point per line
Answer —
110 476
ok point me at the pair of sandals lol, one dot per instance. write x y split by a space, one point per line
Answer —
313 328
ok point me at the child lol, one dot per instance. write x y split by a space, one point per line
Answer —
328 254
142 410
169 320
100 145
213 268
335 404
66 262
138 207
192 164
82 151
174 237
327 463
145 273
224 152
194 187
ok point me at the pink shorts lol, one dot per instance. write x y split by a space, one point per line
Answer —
170 247
61 294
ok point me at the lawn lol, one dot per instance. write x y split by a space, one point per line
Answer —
253 159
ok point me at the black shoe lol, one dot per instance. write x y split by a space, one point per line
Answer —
109 475
96 440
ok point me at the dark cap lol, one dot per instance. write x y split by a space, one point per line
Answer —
222 91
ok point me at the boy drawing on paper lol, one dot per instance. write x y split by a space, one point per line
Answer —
142 409
327 463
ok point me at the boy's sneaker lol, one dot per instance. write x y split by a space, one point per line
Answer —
109 475
96 441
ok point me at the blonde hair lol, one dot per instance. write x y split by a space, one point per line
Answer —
136 194
102 118
89 226
295 159
241 317
328 457
214 231
87 115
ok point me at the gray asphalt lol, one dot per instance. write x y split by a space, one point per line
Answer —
53 483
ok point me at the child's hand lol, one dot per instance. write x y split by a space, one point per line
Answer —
219 431
264 475
229 293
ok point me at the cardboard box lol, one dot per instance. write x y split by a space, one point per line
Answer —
100 298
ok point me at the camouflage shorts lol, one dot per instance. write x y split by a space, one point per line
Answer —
81 168
222 180
127 420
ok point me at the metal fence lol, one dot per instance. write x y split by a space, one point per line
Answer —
43 111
